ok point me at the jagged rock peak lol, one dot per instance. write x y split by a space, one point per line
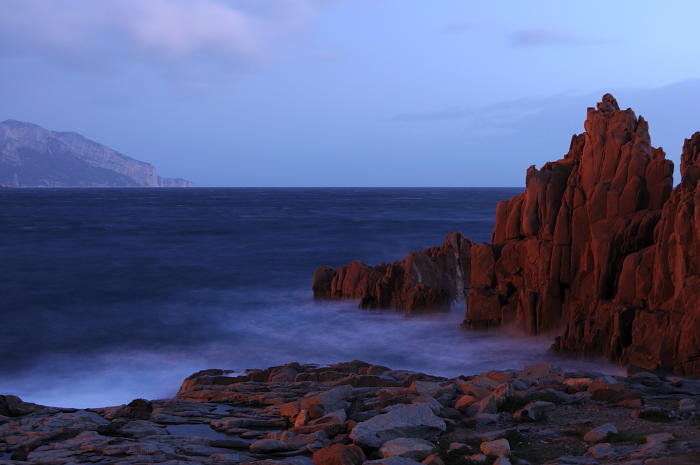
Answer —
558 248
608 104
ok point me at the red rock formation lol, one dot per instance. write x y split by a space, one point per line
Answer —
430 279
595 251
664 280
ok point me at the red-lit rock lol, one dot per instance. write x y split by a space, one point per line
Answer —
599 250
339 454
429 279
666 331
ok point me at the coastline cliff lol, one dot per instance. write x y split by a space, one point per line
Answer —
31 156
600 250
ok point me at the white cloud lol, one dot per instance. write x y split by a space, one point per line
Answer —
460 26
89 35
541 36
495 115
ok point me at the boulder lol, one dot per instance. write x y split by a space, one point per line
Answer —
485 405
602 451
302 419
464 402
142 428
433 460
609 392
534 410
434 405
600 433
412 448
329 401
268 446
413 421
337 417
290 409
660 437
425 387
299 441
498 447
339 454
139 408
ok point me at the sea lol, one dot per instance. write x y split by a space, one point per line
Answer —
108 295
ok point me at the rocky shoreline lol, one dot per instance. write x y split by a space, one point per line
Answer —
600 252
353 413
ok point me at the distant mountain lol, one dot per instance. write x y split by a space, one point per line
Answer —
31 156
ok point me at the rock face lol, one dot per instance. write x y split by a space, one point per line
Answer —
665 330
600 250
31 156
429 279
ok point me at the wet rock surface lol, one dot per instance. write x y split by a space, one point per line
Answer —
378 415
425 280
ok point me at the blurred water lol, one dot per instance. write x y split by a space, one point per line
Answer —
107 295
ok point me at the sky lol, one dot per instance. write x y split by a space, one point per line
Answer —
356 93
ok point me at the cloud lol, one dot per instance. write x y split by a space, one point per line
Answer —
497 115
460 26
84 35
540 36
450 113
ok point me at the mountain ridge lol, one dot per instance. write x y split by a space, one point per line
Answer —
33 156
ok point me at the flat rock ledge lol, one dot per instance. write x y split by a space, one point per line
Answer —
354 413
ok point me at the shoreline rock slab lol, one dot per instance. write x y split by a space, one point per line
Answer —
249 426
413 421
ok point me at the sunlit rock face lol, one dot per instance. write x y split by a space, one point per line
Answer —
666 277
599 250
31 156
426 280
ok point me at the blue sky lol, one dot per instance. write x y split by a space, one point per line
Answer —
346 93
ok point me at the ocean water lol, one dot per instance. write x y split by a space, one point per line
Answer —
107 295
